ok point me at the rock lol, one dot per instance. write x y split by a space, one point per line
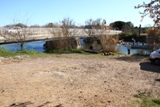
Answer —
21 57
1 59
59 73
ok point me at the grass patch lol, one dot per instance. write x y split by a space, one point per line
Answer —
157 101
32 53
145 100
6 53
65 50
140 95
149 102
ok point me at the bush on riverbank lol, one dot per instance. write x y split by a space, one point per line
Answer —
103 43
61 43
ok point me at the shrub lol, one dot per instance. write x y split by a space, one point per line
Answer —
153 39
108 43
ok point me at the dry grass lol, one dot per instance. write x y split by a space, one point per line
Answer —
108 43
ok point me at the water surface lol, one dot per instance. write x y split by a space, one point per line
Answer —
38 46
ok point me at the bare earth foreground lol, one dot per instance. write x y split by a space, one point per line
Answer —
75 80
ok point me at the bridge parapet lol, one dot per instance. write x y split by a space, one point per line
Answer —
36 34
76 31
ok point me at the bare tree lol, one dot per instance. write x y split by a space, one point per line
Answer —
153 39
68 27
18 34
88 27
65 30
153 10
96 31
92 25
108 42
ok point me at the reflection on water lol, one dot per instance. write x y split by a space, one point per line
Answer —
38 46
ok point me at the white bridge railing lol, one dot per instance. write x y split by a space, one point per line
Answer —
74 31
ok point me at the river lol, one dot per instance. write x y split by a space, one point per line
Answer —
38 46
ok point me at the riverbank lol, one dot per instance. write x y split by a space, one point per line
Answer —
76 80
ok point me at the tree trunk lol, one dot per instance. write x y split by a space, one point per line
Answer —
22 44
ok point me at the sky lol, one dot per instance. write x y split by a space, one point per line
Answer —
41 12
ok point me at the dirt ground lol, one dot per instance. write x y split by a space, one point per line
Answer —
76 80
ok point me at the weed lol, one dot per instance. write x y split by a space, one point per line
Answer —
4 52
157 101
140 95
146 100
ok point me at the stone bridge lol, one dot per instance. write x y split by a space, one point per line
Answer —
46 34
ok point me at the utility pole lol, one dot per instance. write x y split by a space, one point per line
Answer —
139 29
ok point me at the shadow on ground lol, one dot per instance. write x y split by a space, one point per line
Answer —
158 80
25 104
130 58
147 66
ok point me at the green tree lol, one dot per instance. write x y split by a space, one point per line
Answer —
50 25
21 25
121 25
